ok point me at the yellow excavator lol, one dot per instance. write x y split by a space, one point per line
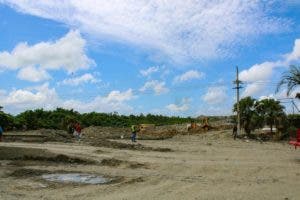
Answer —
204 125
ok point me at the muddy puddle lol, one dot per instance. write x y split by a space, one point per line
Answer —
76 178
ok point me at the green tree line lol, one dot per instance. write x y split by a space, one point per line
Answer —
60 118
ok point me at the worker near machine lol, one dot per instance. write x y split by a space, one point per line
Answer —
134 130
1 133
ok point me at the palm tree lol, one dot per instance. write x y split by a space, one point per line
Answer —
246 112
290 78
270 110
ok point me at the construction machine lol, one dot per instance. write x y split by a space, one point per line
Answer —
196 127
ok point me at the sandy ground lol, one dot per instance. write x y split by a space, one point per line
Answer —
207 166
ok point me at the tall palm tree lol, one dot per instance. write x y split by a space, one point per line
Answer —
290 78
246 111
270 110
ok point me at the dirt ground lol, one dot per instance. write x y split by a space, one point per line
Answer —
204 166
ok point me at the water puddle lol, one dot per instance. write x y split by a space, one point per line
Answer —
76 178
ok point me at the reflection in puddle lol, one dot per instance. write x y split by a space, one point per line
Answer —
76 178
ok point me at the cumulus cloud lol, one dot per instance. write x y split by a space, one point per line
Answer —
181 30
155 85
295 54
183 106
114 101
257 76
215 95
45 97
253 88
258 72
149 71
117 96
189 75
67 53
85 78
33 74
37 97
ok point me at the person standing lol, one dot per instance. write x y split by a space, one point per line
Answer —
234 132
133 133
1 133
77 131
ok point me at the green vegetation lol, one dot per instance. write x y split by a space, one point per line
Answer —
255 114
60 118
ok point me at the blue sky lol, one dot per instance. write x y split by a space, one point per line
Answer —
161 57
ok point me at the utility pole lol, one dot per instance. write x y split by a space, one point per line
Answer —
238 87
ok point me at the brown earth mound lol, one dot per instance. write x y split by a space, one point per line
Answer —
119 145
41 155
160 132
41 135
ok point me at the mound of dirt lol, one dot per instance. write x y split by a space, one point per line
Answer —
41 135
106 132
159 133
119 145
33 154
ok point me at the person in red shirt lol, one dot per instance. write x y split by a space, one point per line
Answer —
77 131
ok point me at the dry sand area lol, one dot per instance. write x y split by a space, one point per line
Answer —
205 166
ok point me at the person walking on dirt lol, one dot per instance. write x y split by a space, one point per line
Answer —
1 133
234 132
77 131
133 133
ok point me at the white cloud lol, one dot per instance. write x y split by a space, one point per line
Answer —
258 75
295 54
67 53
33 74
258 72
156 86
215 95
114 101
189 75
149 71
22 99
85 78
117 96
183 106
181 30
44 97
253 88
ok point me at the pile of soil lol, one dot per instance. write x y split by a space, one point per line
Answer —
41 135
119 145
106 132
41 155
159 133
